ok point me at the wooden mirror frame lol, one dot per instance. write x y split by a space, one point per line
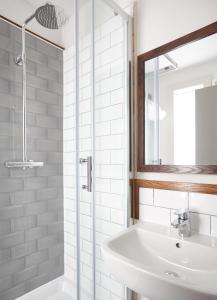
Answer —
141 59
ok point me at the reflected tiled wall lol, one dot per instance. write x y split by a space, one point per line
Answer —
31 202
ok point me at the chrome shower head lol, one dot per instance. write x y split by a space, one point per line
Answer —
49 16
46 16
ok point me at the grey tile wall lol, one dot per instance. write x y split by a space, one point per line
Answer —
31 201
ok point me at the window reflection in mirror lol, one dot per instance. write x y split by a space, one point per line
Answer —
181 105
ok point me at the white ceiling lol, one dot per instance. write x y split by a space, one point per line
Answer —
66 4
19 10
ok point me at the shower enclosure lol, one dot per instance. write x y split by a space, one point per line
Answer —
77 124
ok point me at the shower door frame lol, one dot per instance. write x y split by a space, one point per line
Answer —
128 58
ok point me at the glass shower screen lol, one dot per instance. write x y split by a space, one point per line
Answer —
99 126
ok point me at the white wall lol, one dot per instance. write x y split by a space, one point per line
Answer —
159 22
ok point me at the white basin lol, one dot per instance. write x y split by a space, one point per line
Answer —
154 262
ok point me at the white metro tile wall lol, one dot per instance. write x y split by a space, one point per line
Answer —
146 196
202 203
154 214
158 206
170 199
111 148
200 223
214 226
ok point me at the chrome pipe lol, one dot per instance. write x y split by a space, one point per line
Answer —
29 19
24 91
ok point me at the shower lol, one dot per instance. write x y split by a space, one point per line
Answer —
50 17
66 145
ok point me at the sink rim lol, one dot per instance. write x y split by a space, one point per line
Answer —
202 240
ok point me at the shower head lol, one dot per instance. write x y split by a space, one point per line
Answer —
49 16
46 16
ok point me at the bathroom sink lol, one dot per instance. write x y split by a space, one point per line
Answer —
154 262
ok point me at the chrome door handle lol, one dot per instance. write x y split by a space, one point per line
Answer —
88 161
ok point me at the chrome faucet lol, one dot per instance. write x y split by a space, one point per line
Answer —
182 222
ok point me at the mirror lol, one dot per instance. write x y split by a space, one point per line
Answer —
180 105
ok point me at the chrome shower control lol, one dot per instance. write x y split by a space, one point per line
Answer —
24 164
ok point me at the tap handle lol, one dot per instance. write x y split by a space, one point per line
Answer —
182 213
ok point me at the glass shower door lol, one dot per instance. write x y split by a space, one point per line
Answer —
111 137
70 136
85 215
102 132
